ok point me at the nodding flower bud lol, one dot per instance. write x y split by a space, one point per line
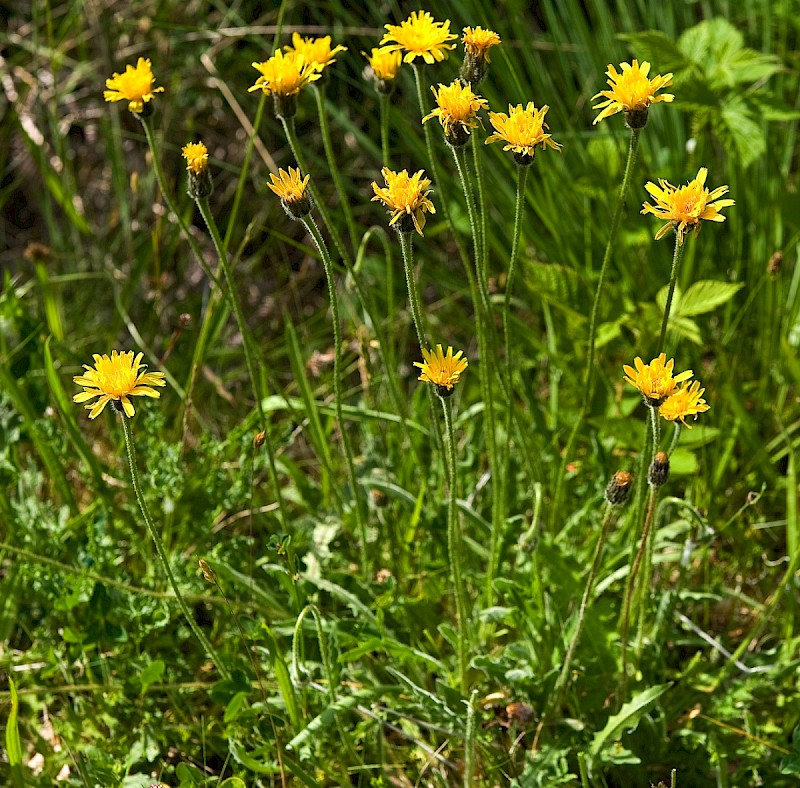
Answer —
658 473
619 488
259 439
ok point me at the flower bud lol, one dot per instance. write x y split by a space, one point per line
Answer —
619 488
636 118
259 439
658 473
208 572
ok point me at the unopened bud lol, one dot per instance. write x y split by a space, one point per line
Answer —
208 572
775 263
619 488
658 473
636 118
259 439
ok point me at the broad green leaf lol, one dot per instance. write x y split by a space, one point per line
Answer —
658 48
627 719
704 296
740 131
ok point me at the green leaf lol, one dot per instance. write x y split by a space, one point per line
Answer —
627 719
740 131
151 674
13 743
657 47
704 296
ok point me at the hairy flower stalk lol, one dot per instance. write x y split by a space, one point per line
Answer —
588 384
313 230
674 398
443 371
292 189
249 354
616 495
115 379
384 63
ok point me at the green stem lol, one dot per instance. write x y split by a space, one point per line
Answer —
383 103
454 545
641 553
629 589
407 248
249 355
198 633
483 315
469 743
460 159
608 517
313 230
522 174
477 148
633 148
162 182
434 162
291 136
344 203
673 281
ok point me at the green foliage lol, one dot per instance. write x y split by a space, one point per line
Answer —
346 674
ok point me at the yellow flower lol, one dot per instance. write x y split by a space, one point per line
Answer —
522 130
477 42
686 401
315 50
421 37
285 75
116 379
134 86
443 370
196 155
291 188
683 207
384 62
406 198
631 91
457 110
655 380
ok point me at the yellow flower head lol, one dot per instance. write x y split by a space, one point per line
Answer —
116 379
384 62
655 380
196 155
291 188
315 50
477 42
684 206
522 130
631 91
421 37
687 400
443 370
457 111
285 75
406 198
134 86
